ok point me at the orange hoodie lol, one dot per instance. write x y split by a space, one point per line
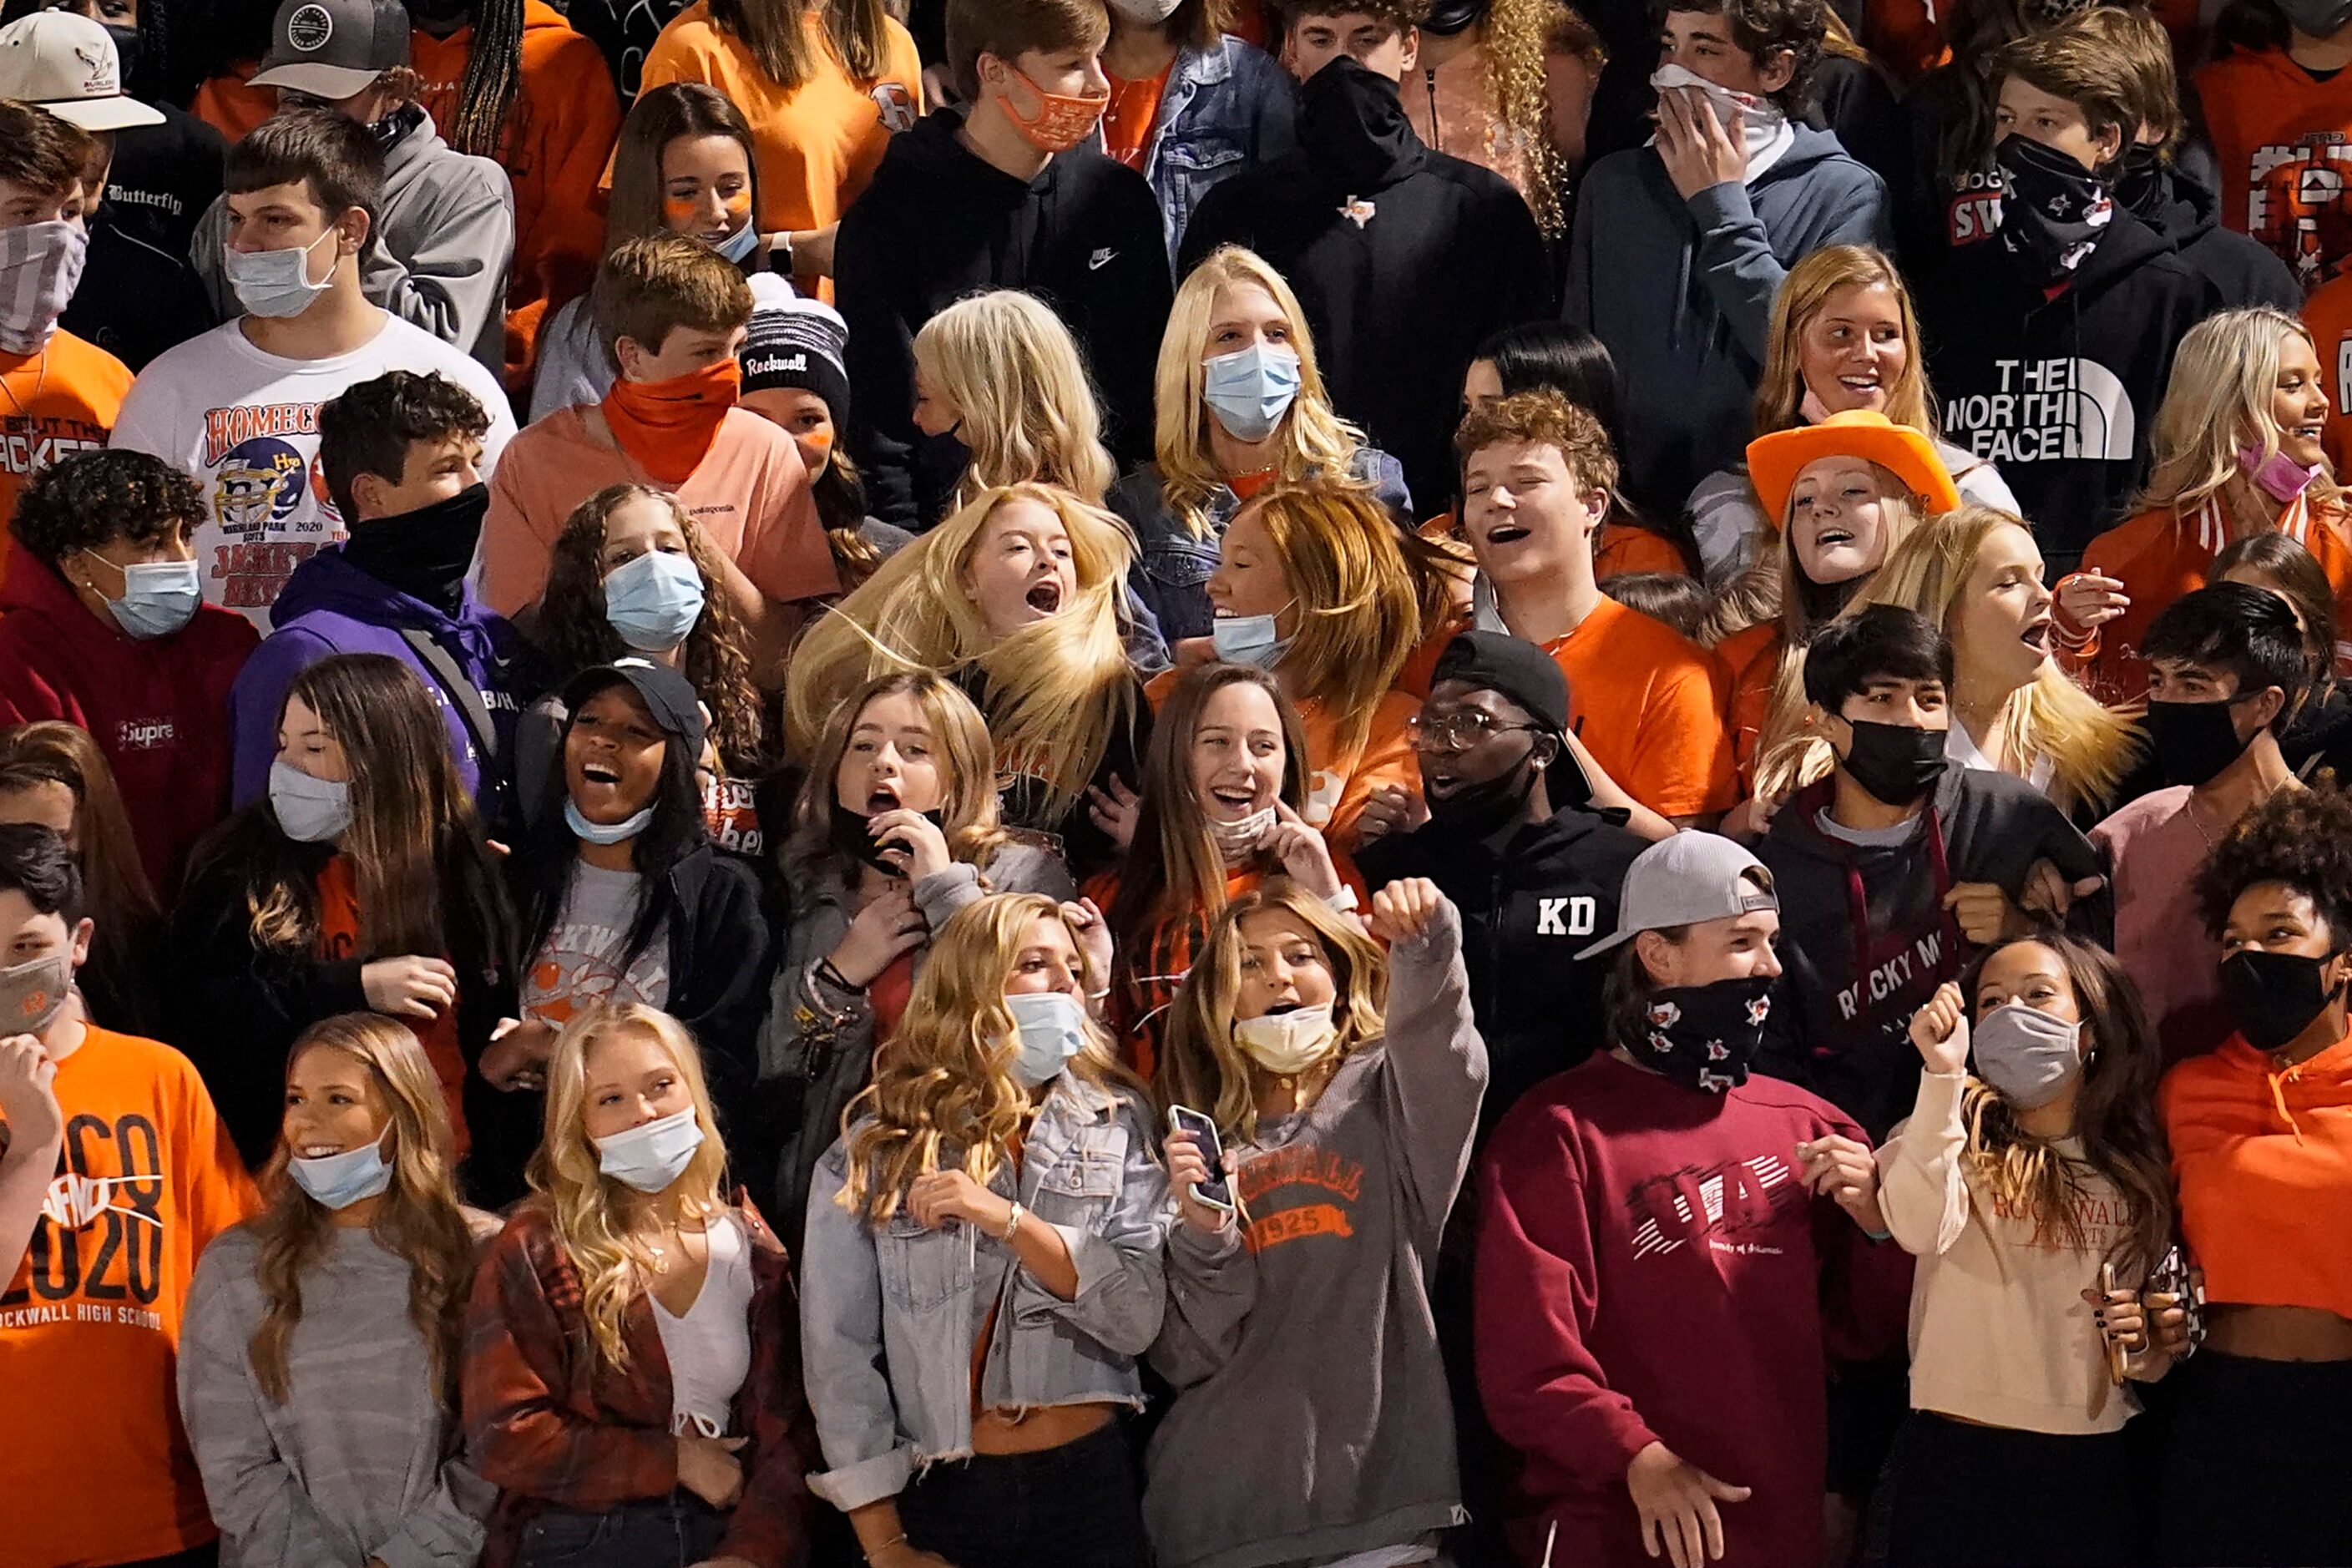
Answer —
2283 141
2327 314
2263 1158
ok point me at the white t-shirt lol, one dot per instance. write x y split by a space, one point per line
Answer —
709 1348
245 425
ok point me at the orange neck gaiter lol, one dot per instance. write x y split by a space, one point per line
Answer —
668 426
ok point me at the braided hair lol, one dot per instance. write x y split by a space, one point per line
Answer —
493 78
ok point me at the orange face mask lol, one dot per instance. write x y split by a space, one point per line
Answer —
668 426
1059 123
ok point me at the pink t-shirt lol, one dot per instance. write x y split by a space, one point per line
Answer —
750 495
2156 849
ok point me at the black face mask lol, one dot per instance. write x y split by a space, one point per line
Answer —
2194 742
2052 210
855 839
2274 997
440 16
1895 764
1476 810
126 53
1704 1036
422 553
2312 18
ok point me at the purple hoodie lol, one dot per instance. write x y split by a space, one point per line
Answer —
330 606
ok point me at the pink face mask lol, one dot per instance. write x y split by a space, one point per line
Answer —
1060 121
2279 475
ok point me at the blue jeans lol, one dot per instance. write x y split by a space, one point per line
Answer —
1071 1507
671 1532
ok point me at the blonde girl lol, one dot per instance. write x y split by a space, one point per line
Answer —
629 1375
331 1325
1000 374
996 1187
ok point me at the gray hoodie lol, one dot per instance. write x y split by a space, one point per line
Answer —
438 258
1311 1419
1689 355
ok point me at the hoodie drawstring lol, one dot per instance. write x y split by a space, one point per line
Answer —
2278 1096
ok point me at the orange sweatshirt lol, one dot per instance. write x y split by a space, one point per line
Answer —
2283 139
2264 1159
1751 658
2328 315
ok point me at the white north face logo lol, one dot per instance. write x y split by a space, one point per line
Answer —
2045 411
1565 917
309 28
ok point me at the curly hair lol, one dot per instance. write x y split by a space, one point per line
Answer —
1545 418
2299 837
368 428
97 497
1762 28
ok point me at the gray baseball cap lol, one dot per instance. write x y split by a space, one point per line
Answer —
332 50
1685 880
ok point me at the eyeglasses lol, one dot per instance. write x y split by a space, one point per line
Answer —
1456 731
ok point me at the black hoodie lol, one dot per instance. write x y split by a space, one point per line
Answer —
2243 269
940 223
1845 1035
1403 257
2060 394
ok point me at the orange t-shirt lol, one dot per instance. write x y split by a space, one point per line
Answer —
338 938
231 105
2328 314
1751 658
1133 115
54 404
98 1469
2158 558
750 495
1626 547
2283 141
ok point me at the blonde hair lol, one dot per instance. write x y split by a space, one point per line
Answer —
967 815
1517 32
1058 689
1201 1066
1804 293
2089 747
419 1219
586 1206
1314 442
943 1095
2223 377
1029 415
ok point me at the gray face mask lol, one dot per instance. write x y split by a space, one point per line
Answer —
34 993
2027 1055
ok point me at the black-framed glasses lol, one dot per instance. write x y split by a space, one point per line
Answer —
1456 731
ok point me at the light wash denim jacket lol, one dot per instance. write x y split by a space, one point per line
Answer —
1223 110
889 1316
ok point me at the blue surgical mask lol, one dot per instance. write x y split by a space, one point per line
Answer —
649 1158
1250 392
1052 1029
737 246
653 601
1248 639
308 810
158 597
275 283
619 832
339 1181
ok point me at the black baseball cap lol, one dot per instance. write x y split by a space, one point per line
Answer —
668 695
332 50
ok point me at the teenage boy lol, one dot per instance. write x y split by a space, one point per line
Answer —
443 236
101 625
2222 662
401 456
1511 838
2051 347
238 407
142 1178
1933 858
2278 118
1647 702
58 394
1006 191
1663 1267
1403 257
672 313
1679 247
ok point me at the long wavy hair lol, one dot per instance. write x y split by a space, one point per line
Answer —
1057 689
1804 294
1315 443
2218 401
53 751
1029 413
592 1212
943 1095
808 861
573 633
1201 1066
2289 570
419 1219
773 32
1517 33
2090 747
660 116
2114 1117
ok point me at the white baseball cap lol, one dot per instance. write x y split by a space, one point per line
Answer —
64 62
1687 880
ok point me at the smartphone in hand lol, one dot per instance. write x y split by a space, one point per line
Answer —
1217 1192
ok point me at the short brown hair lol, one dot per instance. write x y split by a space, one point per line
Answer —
2078 64
2139 42
1399 14
1762 28
333 155
649 288
1008 28
37 150
368 428
1544 416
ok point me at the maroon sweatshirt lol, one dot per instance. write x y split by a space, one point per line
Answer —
1650 1268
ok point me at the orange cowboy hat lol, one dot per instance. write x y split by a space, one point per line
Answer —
1775 460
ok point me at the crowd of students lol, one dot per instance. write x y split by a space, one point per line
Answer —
1235 784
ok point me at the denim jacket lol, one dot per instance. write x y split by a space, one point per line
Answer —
890 1315
1170 575
1223 108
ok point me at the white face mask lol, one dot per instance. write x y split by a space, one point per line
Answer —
1287 1044
40 264
1237 841
276 283
1762 125
1148 13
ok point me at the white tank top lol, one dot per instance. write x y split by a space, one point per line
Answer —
709 1348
